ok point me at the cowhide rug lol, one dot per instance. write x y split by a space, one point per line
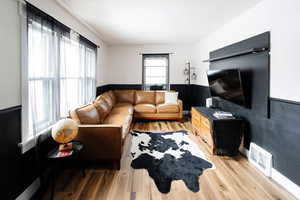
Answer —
167 157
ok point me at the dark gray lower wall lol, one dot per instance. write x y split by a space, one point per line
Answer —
17 170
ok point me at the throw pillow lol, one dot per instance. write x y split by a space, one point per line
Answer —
171 97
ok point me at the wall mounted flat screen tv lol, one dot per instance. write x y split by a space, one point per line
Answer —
227 84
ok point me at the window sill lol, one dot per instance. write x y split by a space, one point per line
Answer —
30 142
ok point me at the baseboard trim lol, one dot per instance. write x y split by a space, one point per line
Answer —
244 151
30 190
286 183
279 178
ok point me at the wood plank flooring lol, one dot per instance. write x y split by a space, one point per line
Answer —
232 179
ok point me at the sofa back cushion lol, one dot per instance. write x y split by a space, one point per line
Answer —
113 97
125 96
88 114
145 97
102 107
73 115
160 97
107 97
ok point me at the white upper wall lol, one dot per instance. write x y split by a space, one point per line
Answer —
279 17
10 70
10 33
125 63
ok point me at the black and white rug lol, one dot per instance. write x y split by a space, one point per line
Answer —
167 157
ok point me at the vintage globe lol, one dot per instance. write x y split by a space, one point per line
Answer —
64 131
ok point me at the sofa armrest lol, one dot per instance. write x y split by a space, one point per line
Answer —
180 104
102 141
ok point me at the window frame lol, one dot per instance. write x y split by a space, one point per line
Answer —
165 55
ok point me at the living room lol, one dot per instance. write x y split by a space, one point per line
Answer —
149 99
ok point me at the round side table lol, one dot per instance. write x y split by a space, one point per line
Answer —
57 158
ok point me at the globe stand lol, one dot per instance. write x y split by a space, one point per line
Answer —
65 147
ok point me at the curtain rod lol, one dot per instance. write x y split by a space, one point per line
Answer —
155 53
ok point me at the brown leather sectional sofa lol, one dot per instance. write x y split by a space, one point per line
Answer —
104 124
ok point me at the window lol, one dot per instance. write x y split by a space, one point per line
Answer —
59 74
77 70
156 71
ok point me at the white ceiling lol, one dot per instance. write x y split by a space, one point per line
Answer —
155 21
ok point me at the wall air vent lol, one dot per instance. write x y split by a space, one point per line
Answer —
260 158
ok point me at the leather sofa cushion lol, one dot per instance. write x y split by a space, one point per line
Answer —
122 108
102 107
145 97
73 115
88 114
167 108
107 97
125 96
113 97
160 97
145 108
120 120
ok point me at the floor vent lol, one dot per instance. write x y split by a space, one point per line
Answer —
260 158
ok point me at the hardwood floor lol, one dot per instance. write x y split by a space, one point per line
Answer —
232 179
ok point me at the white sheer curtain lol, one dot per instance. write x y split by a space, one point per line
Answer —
42 75
59 74
77 73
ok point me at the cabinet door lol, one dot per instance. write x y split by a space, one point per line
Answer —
205 131
196 120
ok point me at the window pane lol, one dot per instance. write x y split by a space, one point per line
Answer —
71 94
155 80
155 61
156 71
41 98
42 48
90 63
71 58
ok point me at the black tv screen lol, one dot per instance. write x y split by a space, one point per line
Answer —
226 84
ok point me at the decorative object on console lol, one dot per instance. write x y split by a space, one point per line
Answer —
223 115
169 156
209 102
64 131
223 136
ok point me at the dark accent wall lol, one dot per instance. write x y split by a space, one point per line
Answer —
271 123
254 68
10 130
279 134
17 170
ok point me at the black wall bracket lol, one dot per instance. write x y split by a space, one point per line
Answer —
241 53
